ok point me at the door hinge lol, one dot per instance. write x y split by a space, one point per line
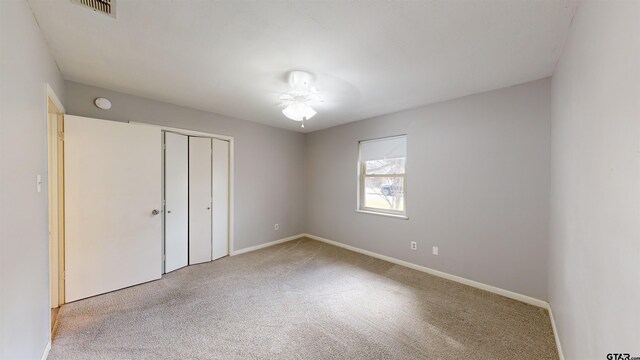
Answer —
164 146
61 135
164 202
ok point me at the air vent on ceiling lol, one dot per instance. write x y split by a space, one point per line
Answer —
107 7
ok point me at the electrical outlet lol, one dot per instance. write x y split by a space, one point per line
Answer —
276 227
414 245
435 250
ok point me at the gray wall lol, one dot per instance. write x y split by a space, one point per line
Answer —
478 187
269 162
26 66
594 283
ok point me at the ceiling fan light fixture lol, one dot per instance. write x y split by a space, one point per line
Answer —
301 93
299 111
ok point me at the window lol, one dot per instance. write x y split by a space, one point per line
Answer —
382 176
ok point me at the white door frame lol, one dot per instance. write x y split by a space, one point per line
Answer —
231 168
53 221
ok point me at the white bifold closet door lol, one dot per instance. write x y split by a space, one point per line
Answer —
220 221
197 200
113 194
200 199
176 178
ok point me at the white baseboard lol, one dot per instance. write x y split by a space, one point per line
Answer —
262 246
555 332
479 285
46 351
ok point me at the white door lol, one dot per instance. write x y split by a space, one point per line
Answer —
112 178
220 221
176 192
199 200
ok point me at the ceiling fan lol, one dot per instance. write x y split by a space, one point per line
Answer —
302 93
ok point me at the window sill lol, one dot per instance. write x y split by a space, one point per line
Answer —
403 217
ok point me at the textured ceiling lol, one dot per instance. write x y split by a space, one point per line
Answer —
370 57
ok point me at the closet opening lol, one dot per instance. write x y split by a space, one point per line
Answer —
196 188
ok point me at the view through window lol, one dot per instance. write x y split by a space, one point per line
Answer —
383 175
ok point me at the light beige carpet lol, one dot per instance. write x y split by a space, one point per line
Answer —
301 300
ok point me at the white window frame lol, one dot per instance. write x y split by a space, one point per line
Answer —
361 184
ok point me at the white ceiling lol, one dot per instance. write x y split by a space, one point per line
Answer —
370 57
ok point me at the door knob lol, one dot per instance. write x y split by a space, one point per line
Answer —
155 212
